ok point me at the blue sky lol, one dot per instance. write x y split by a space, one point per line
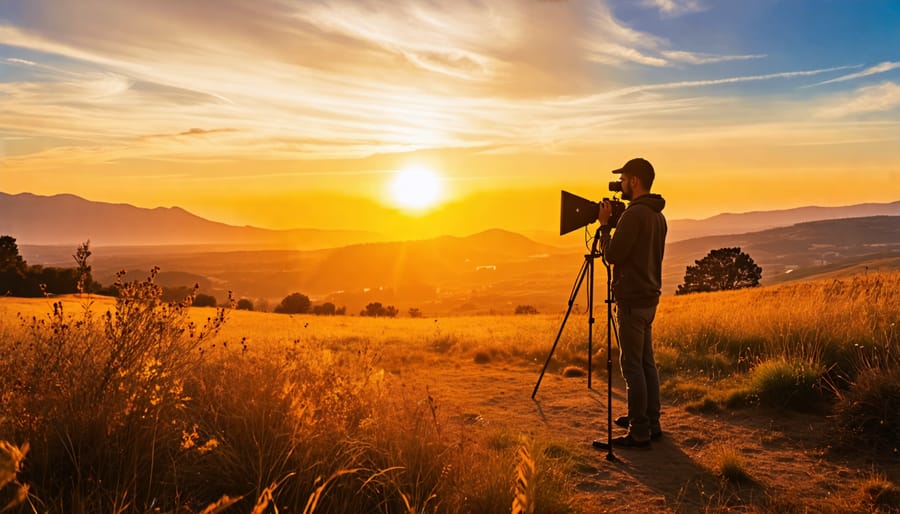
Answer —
287 99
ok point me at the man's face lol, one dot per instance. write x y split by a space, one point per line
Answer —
627 190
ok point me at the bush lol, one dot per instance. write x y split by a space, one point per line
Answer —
526 309
204 300
295 303
326 309
869 412
244 305
792 384
90 393
375 309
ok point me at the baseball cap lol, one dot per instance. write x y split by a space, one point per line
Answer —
638 167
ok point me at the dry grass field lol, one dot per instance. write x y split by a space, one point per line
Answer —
778 399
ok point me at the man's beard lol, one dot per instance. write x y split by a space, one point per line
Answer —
626 194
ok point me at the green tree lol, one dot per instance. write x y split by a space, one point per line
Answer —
13 269
721 270
526 309
376 309
295 303
204 300
326 309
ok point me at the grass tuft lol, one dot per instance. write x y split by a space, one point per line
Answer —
728 463
787 383
868 413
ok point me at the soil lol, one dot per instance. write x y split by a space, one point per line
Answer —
784 453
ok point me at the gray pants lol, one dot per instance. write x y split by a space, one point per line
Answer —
639 369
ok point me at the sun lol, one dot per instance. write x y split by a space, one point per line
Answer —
416 188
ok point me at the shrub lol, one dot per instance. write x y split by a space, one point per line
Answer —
94 391
204 300
869 412
526 309
783 383
326 309
295 303
244 305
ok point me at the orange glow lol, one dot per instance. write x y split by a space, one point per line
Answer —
416 188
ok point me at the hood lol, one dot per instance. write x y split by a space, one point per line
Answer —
652 200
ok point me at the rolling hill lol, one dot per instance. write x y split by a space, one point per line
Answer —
70 220
491 271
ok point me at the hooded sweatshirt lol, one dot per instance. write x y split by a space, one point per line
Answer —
636 252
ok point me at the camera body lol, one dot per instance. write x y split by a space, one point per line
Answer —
576 212
618 207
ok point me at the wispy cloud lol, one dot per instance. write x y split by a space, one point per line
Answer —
706 58
675 7
874 70
344 79
14 60
722 81
884 97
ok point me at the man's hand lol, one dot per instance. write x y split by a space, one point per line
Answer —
605 212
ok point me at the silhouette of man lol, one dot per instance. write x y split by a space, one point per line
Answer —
636 252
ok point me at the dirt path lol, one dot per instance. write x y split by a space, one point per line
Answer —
782 451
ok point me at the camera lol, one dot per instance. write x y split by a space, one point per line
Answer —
576 212
618 207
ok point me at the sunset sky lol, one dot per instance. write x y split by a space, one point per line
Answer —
289 114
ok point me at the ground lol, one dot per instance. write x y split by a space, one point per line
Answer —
782 452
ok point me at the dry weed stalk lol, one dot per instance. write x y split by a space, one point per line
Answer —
523 501
11 457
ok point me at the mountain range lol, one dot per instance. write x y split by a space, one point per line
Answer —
69 219
494 270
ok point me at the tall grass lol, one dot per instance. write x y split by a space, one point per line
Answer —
143 405
143 408
838 321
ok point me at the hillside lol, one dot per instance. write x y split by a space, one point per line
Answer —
734 223
69 219
802 250
489 271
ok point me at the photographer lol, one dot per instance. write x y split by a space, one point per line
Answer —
636 253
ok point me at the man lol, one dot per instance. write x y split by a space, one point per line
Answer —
636 253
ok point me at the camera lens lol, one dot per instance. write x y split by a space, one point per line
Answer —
615 186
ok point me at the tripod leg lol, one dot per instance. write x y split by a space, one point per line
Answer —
590 320
578 281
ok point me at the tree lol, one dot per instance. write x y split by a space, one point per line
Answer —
721 270
326 309
376 309
13 268
204 300
526 309
244 305
295 303
414 312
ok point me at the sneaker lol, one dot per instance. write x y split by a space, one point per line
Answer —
626 441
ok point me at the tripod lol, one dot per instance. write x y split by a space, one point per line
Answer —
587 270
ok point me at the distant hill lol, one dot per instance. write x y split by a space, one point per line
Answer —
69 220
495 270
733 223
801 250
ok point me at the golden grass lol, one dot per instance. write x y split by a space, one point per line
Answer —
260 412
